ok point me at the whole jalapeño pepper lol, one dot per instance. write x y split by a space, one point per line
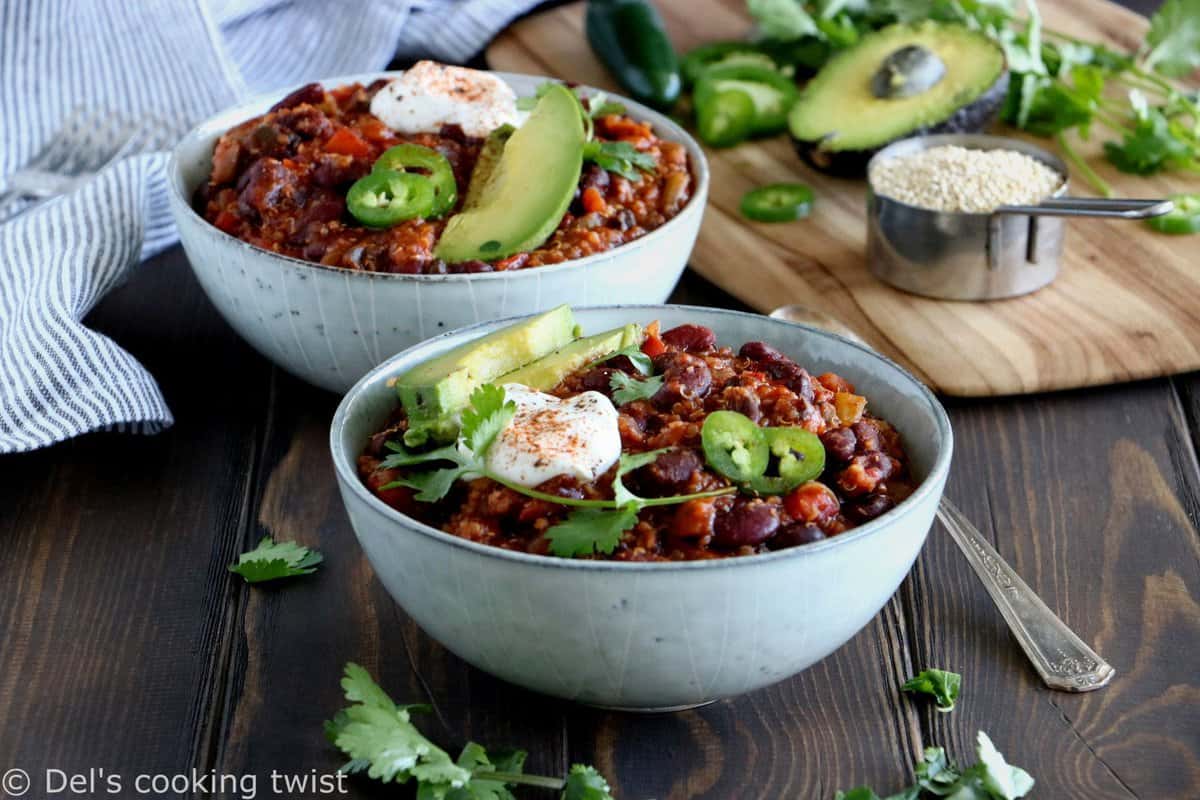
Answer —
629 38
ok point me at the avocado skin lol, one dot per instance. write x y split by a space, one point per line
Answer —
974 117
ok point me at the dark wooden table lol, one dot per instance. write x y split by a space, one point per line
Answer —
125 645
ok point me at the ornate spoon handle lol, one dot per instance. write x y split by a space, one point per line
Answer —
1060 657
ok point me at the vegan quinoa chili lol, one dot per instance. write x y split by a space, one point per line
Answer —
279 181
865 470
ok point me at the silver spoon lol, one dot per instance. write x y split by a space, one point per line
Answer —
1059 656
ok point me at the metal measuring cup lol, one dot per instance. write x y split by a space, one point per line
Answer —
1011 251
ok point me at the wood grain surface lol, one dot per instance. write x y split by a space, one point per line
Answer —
1126 304
125 645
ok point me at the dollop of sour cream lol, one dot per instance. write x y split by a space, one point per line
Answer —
429 95
548 437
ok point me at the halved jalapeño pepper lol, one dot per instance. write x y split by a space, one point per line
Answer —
385 198
405 157
734 445
1183 219
798 455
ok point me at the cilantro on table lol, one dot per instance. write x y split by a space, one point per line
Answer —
626 388
990 778
1060 86
620 157
596 525
379 737
942 685
271 560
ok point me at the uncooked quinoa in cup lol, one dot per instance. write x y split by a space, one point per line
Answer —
964 180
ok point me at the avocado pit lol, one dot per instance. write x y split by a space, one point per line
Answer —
908 71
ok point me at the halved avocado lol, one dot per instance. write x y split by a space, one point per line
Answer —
524 199
434 392
546 373
900 81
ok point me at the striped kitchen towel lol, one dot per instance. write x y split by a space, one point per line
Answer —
148 71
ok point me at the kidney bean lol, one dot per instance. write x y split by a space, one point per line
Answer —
268 184
594 177
746 524
623 220
839 443
869 507
622 364
598 379
308 122
868 436
743 400
795 534
671 473
780 367
335 170
454 133
312 93
684 377
690 338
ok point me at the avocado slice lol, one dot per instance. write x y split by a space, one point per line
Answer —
900 81
527 193
434 392
485 167
549 370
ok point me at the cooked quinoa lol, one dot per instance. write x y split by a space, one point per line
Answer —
951 178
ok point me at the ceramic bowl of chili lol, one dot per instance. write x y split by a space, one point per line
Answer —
654 635
329 325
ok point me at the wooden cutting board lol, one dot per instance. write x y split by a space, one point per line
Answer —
1125 306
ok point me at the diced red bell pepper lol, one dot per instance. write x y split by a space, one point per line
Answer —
347 143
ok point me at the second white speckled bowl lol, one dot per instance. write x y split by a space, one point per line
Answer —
653 636
330 326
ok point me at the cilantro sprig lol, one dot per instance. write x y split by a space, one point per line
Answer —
272 560
619 157
596 525
943 686
626 388
990 778
381 740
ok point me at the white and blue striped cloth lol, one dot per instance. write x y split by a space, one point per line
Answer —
161 65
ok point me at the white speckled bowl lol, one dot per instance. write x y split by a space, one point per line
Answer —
329 326
652 636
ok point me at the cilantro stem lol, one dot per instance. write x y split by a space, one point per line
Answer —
608 504
1089 174
520 778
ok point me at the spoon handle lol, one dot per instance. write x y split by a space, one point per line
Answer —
1060 657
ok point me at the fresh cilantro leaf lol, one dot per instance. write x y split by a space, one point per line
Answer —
626 388
1001 780
271 560
641 362
598 104
375 731
627 463
935 774
619 157
431 486
1023 49
585 783
590 530
943 685
479 762
1154 144
782 19
487 415
402 457
1173 41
